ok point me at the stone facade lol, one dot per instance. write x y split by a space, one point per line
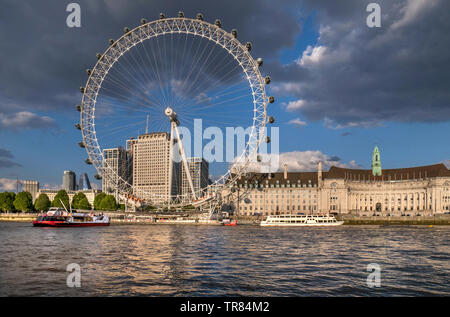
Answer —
421 190
90 194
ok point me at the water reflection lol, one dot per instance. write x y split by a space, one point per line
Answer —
240 261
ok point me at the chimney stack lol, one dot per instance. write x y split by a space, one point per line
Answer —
319 171
285 171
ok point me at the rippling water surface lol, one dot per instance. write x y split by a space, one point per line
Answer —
169 260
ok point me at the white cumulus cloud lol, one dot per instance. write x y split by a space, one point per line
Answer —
24 120
298 122
7 184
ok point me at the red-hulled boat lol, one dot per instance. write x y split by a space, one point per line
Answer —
228 222
57 217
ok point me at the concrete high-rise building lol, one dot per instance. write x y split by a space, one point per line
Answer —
199 170
69 181
83 182
151 168
32 187
130 148
114 169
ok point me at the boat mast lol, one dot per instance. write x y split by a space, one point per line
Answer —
63 204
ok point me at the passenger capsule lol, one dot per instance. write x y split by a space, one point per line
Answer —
248 45
97 176
111 41
200 16
259 61
78 126
267 80
126 30
78 107
88 71
88 161
143 21
218 23
180 14
162 16
82 90
247 201
271 119
271 99
81 144
98 55
268 139
233 190
258 158
234 33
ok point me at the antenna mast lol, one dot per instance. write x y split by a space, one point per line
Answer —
146 126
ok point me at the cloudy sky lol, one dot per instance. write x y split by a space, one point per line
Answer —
341 87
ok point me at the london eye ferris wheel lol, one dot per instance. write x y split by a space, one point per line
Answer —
165 75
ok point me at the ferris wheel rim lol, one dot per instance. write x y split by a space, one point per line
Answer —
180 25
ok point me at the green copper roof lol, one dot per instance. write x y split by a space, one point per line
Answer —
376 162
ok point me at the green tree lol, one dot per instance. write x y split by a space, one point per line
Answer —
84 204
77 198
108 203
7 201
61 196
98 199
42 203
24 201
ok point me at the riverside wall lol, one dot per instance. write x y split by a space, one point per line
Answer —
122 218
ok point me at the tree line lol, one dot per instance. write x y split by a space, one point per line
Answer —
23 201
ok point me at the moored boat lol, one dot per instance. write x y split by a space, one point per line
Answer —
57 217
300 221
229 222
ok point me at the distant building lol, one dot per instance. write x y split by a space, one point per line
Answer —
199 170
407 191
83 182
90 194
69 181
130 148
32 187
151 168
115 169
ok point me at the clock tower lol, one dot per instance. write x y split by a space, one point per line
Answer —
376 162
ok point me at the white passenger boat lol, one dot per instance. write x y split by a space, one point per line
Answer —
300 221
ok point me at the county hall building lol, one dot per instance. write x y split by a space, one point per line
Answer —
421 190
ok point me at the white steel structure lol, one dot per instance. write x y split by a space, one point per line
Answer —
170 27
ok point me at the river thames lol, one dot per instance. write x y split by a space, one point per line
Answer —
169 260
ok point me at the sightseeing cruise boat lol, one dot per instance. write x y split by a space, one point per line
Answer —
58 217
300 221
